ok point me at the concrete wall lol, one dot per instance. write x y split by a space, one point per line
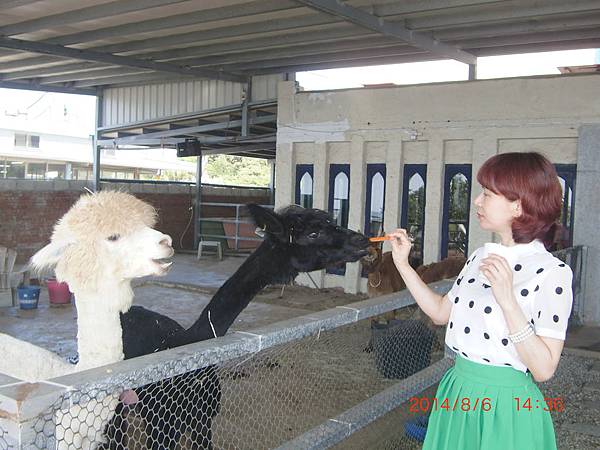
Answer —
587 215
29 208
436 124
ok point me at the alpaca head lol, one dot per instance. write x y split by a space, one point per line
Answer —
310 237
104 238
372 260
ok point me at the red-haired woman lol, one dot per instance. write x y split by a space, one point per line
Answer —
507 314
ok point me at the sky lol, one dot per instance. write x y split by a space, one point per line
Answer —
438 71
80 108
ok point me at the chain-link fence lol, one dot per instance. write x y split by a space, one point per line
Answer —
332 378
307 382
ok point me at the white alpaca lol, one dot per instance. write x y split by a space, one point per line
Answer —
102 243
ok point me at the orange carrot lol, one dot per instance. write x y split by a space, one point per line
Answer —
380 238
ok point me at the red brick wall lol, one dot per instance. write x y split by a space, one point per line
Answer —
27 217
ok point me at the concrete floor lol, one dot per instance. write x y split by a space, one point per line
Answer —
181 295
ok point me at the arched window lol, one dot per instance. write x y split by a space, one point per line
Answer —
375 199
413 206
457 204
304 185
566 177
339 201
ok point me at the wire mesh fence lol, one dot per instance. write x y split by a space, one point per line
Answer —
256 401
303 383
336 378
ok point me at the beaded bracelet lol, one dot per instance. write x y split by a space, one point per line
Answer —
520 336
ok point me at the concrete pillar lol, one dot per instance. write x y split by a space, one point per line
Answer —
434 201
320 188
284 161
321 175
284 167
587 216
356 219
393 187
484 147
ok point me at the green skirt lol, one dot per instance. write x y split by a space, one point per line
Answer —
487 408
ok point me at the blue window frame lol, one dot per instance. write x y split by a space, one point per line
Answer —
457 206
414 190
339 202
567 174
375 206
304 185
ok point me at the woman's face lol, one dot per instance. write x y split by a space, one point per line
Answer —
495 212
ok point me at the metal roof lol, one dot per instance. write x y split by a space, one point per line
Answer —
79 46
218 130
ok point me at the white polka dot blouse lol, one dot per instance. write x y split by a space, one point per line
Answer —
477 329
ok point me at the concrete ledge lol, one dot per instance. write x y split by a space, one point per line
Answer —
581 352
343 425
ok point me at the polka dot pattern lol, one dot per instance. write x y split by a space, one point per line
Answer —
477 326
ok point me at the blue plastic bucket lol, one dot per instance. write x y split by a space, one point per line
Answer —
28 296
417 428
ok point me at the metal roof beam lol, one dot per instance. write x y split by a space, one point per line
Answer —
199 129
38 87
65 69
127 79
202 139
561 23
180 20
279 41
104 10
347 56
232 58
425 6
528 9
219 33
90 55
8 4
192 37
375 61
366 20
339 56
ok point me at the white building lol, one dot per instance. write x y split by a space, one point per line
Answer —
53 139
343 139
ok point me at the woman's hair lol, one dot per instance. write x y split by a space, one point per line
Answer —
531 178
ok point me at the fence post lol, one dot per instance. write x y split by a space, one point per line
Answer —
21 406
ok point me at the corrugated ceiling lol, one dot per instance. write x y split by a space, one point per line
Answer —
79 46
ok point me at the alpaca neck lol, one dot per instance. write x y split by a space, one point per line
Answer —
99 333
237 292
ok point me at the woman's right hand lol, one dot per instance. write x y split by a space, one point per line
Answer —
401 246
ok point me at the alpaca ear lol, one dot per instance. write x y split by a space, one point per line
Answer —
266 219
49 256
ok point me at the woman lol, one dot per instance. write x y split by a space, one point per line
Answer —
506 333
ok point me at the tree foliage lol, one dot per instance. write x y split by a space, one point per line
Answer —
238 170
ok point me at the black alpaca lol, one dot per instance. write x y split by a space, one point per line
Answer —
296 240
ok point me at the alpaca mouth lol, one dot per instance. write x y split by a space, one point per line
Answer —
369 257
163 263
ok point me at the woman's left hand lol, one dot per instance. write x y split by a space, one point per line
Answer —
498 271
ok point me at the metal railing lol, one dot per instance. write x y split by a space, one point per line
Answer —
576 258
235 218
307 382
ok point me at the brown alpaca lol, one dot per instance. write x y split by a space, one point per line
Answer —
384 278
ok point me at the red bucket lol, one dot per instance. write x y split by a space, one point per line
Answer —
58 293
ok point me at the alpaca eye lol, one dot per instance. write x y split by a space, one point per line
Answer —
313 235
113 237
